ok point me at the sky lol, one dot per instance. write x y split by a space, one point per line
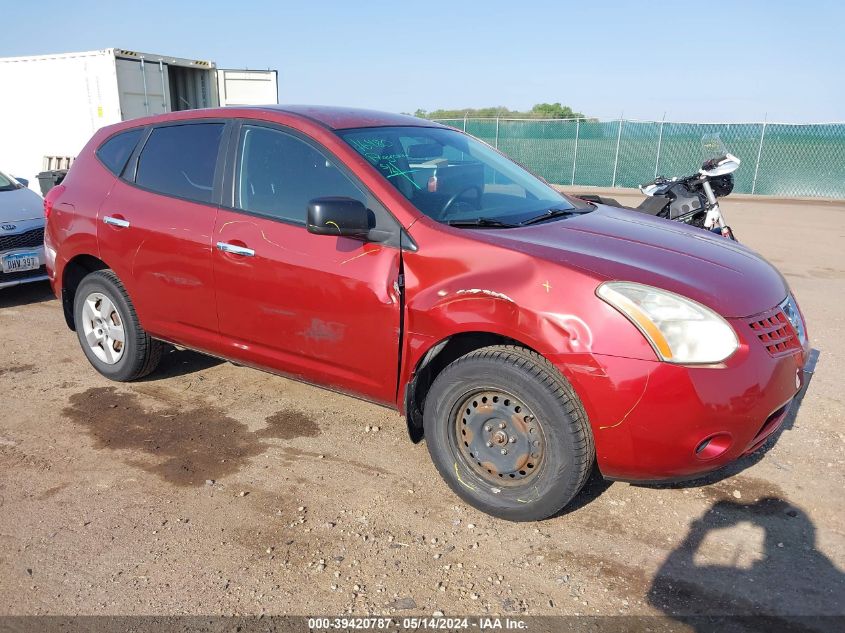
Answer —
694 61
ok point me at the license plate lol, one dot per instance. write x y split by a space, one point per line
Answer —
18 262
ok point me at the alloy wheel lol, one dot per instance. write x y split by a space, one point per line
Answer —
103 328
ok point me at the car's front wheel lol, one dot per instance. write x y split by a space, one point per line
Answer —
109 331
508 433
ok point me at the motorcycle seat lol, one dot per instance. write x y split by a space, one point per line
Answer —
589 197
652 206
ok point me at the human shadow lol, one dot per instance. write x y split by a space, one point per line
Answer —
24 294
790 586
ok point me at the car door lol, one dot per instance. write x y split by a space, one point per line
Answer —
322 308
155 230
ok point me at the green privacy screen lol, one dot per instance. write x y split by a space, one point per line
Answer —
777 159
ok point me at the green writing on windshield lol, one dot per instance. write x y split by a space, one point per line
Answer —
391 164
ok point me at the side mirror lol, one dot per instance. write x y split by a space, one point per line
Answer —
23 181
337 216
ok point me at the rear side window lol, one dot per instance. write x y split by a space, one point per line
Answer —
116 151
179 160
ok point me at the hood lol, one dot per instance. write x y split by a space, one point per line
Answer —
20 204
625 245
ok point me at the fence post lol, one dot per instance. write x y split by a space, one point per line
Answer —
575 155
759 153
497 133
465 121
616 160
659 144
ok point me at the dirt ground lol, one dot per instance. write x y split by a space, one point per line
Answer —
213 489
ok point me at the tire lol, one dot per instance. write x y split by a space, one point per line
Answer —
490 415
101 308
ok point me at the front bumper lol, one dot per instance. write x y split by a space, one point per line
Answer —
655 421
23 236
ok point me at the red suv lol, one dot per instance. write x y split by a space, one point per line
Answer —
526 335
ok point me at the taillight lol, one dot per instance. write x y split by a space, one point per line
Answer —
50 199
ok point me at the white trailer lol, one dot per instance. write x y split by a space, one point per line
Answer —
50 105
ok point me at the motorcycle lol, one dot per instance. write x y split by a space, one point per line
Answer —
694 199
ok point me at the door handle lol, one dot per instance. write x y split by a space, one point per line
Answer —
234 249
118 222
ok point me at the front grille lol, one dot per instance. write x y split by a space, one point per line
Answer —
775 332
28 239
22 274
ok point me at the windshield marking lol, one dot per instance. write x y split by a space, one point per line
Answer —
395 171
385 162
366 144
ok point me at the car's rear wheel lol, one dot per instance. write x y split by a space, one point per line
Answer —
108 329
508 433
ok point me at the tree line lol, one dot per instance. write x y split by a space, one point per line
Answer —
538 111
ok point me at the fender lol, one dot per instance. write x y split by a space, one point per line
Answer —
500 295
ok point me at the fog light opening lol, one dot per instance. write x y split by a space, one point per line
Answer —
713 446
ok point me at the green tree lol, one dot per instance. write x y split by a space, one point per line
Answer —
554 111
538 111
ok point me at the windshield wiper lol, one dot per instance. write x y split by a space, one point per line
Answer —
481 222
550 214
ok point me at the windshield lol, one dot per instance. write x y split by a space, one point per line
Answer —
6 183
712 146
453 178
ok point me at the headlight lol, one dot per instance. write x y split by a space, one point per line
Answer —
679 329
790 309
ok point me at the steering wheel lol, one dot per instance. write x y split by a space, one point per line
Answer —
456 196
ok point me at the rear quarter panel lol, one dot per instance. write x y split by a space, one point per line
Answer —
72 226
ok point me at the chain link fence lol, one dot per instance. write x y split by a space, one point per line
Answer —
777 159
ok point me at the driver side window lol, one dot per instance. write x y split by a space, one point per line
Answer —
278 174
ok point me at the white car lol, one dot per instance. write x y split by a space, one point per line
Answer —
21 233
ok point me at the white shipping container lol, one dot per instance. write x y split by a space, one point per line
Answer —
50 105
247 87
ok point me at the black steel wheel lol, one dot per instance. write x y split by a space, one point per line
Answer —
508 433
499 438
